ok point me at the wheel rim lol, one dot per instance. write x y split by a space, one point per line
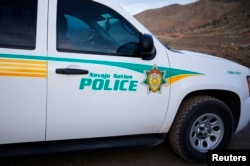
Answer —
206 132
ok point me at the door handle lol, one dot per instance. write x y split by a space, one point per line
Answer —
71 71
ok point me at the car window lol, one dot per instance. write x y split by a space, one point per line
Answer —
78 31
18 24
86 26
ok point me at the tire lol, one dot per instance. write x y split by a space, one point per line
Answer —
202 123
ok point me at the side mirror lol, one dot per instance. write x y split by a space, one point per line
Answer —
148 51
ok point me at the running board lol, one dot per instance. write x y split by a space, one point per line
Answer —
38 148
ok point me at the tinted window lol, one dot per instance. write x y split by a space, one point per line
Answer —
18 23
86 26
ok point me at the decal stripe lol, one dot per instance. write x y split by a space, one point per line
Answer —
23 68
21 65
22 61
176 78
20 70
37 66
23 75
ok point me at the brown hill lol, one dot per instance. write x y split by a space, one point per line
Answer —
201 15
217 27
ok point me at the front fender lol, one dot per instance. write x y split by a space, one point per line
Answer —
196 83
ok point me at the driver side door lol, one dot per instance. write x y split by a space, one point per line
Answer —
97 81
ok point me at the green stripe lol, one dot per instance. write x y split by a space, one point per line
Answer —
131 66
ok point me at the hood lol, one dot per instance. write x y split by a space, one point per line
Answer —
203 56
195 60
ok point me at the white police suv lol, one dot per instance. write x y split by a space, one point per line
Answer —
84 74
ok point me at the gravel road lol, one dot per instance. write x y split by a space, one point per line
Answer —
160 155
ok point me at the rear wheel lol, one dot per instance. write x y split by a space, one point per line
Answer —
202 123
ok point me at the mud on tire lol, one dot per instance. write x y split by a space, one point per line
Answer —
202 123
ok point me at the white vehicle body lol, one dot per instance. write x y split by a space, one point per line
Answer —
41 102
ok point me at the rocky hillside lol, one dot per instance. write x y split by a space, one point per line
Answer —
217 27
227 16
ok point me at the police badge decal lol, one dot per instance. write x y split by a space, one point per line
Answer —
154 80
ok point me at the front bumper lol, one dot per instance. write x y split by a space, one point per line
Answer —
244 116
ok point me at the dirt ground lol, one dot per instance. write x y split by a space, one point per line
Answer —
232 47
161 155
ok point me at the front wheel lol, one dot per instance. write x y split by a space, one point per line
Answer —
202 123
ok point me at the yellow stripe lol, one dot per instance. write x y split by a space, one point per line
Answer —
176 78
22 61
23 68
23 75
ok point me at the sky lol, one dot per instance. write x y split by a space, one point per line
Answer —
136 6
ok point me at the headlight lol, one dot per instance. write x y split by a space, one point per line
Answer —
248 83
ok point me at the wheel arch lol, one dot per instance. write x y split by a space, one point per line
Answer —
231 99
